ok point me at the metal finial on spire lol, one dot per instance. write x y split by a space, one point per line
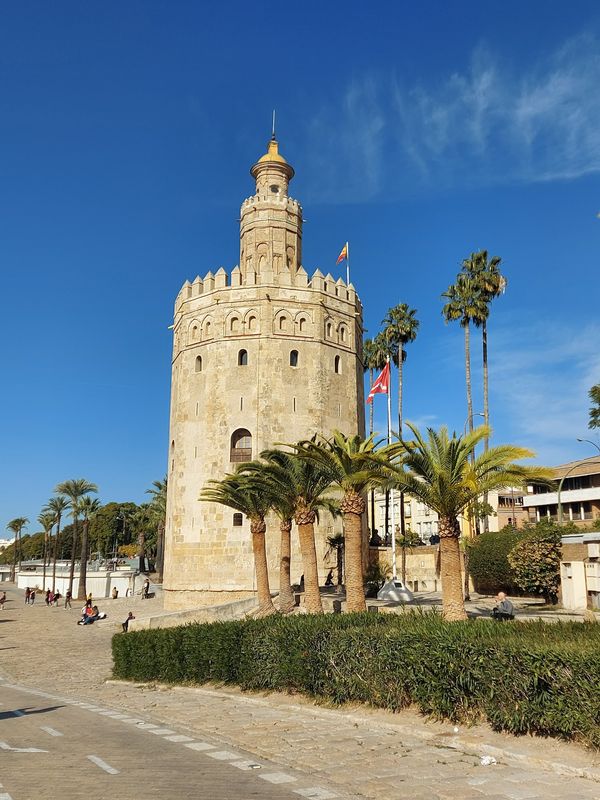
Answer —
273 131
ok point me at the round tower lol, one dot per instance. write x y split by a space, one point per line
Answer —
265 354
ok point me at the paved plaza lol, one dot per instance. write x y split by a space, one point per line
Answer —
150 741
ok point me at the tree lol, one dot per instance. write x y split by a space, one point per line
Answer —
437 471
465 305
16 526
351 464
46 520
57 507
536 561
376 353
75 489
87 507
595 409
488 561
335 544
246 494
299 485
158 507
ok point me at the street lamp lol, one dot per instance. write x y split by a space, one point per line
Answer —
560 485
470 417
589 441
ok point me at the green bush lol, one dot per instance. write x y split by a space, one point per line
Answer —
488 562
536 561
524 678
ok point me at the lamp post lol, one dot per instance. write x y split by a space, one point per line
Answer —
560 485
470 417
589 441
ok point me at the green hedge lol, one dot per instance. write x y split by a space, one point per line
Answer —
523 677
488 561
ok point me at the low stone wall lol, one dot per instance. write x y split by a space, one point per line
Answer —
220 613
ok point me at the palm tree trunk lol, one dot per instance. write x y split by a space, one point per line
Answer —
45 554
468 374
286 597
371 423
339 558
451 574
402 517
56 538
355 592
73 551
486 408
265 603
312 595
82 588
13 571
142 552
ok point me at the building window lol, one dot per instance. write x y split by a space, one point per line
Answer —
243 358
302 324
198 366
207 331
237 520
251 324
241 446
342 334
337 365
293 358
283 323
329 330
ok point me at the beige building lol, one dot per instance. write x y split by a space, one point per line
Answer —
262 355
579 494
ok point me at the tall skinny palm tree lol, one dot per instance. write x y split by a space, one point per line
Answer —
400 328
87 507
46 520
75 489
158 508
465 305
353 466
16 526
57 507
247 495
437 471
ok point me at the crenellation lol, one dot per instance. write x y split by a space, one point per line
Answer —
209 282
197 286
221 279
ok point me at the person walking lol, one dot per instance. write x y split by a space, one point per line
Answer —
145 589
68 597
2 600
32 597
48 593
27 595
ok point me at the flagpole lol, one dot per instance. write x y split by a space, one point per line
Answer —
389 438
347 264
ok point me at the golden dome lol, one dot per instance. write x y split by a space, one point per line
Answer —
272 156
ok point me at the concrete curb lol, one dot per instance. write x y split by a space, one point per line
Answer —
457 742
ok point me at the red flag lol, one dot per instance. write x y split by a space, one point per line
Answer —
343 255
382 384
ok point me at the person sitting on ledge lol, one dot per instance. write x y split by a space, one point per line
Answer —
504 610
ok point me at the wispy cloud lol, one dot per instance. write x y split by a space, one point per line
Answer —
489 123
541 376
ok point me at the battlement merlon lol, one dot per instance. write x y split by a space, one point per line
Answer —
221 280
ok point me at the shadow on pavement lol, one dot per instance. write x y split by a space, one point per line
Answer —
27 712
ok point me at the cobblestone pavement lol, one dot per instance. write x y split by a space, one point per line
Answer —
352 752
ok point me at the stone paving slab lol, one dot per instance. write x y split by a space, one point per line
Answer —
354 752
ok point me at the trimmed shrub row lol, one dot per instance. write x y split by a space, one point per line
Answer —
522 678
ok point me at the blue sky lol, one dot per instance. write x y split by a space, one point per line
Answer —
420 132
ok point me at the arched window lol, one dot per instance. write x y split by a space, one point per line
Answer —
241 446
337 365
194 333
283 323
243 358
293 358
207 330
329 329
342 333
302 324
234 325
251 324
238 519
198 366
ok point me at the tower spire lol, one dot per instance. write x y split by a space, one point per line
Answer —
273 130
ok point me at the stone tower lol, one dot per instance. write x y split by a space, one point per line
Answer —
266 354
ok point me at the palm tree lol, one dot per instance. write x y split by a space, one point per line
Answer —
16 526
352 464
594 395
87 507
46 520
466 305
490 284
75 489
246 494
400 328
375 353
158 506
303 485
437 471
57 507
335 544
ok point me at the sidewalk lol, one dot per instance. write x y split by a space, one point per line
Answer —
363 753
